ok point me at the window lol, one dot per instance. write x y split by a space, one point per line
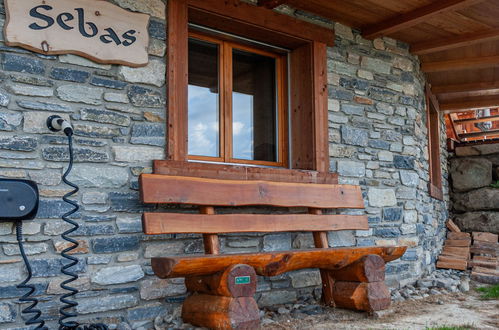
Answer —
433 125
236 103
250 112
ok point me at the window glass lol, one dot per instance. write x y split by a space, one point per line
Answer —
203 101
254 107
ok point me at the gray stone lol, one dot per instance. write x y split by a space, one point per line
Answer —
129 224
145 97
115 244
392 214
470 173
69 75
29 90
81 61
44 106
354 136
351 168
7 313
410 179
46 177
146 312
104 116
12 62
137 154
4 98
156 288
477 200
106 303
116 97
158 249
98 260
277 298
117 275
478 221
9 120
18 143
341 238
277 242
306 278
61 154
94 197
80 94
153 7
381 197
149 134
153 74
96 131
5 228
36 122
52 267
31 249
403 162
484 149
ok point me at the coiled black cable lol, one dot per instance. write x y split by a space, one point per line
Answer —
67 311
31 309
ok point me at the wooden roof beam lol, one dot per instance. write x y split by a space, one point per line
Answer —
271 4
469 104
476 120
469 39
488 134
461 64
419 15
463 88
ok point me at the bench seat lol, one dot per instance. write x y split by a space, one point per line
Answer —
271 263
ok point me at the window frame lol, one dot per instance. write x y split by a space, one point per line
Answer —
225 78
434 159
307 110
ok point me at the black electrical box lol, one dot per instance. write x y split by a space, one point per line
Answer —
19 200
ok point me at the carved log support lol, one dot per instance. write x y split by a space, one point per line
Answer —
361 296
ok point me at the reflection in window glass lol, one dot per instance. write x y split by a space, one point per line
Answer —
254 107
203 104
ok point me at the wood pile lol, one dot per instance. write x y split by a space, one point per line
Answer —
485 262
458 248
456 252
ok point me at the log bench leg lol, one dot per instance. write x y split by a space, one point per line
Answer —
223 300
361 285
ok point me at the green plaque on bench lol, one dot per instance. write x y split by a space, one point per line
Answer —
243 280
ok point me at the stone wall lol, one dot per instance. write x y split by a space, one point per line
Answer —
378 139
475 197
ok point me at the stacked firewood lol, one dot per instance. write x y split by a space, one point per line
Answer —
485 262
456 252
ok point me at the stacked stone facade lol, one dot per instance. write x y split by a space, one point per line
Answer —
378 140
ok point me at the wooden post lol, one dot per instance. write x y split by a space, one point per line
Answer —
211 242
321 241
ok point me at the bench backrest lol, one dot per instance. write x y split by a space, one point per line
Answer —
209 192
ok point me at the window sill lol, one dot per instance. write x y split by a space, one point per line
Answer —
436 192
241 172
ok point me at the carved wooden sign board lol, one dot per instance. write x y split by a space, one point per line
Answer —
95 29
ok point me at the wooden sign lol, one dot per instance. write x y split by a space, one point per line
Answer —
95 29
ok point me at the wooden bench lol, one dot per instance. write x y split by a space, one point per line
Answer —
223 285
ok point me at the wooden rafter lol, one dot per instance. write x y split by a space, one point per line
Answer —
415 17
271 4
461 64
476 120
469 104
462 88
469 39
487 134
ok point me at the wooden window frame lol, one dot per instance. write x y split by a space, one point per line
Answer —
307 43
433 126
226 110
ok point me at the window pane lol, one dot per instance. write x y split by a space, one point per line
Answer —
204 113
254 107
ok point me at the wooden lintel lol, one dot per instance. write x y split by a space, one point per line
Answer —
492 133
461 64
271 4
476 120
463 88
414 17
469 104
433 46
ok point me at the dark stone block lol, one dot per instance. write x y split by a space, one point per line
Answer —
54 209
69 75
392 268
12 291
387 232
12 62
157 29
372 220
145 313
17 143
128 289
379 144
126 202
115 244
148 134
61 154
339 94
98 218
52 267
410 255
354 84
87 230
403 162
96 131
365 242
145 97
104 116
406 100
384 95
115 84
392 214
